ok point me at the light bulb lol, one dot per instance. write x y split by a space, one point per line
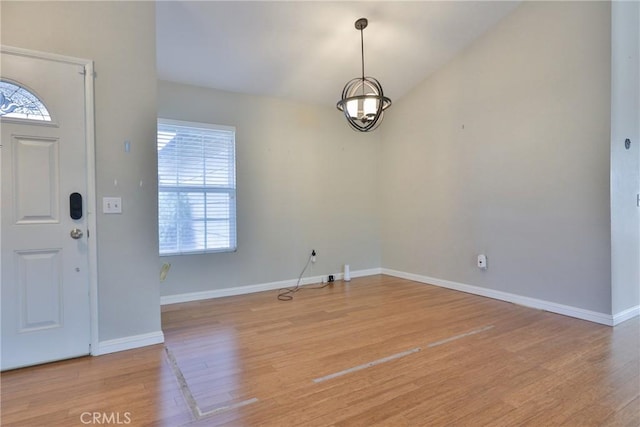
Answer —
352 108
370 106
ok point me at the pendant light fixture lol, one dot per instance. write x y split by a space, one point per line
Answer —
363 102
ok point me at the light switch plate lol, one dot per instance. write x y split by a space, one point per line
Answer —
112 205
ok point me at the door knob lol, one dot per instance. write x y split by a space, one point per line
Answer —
76 233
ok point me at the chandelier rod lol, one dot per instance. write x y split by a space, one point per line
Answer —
362 49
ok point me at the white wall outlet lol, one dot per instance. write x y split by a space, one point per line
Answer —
482 262
112 205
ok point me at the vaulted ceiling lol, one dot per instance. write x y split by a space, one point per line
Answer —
308 50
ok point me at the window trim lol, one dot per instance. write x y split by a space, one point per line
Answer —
233 218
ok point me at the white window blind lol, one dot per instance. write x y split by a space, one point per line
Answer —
196 187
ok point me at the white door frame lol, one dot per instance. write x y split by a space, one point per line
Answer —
91 173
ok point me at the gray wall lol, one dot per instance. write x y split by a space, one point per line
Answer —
526 181
120 38
305 181
625 164
505 151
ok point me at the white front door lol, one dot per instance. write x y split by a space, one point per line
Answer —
45 252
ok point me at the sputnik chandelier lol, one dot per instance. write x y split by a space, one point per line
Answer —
363 101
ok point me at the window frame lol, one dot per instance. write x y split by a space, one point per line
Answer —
203 189
45 116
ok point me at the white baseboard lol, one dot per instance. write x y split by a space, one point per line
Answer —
360 273
627 314
566 310
128 343
248 289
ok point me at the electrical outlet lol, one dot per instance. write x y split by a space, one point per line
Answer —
313 255
482 262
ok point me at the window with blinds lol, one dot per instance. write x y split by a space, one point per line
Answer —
196 187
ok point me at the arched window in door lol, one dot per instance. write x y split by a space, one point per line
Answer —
18 102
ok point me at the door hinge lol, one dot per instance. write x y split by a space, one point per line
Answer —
83 71
88 233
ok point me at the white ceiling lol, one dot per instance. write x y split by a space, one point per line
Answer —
308 50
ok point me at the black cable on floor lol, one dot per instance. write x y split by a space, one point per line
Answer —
286 294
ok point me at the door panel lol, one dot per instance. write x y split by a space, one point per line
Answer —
45 271
35 177
39 289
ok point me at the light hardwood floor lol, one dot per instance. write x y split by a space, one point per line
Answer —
466 361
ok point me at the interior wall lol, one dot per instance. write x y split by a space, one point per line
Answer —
505 152
305 181
120 38
625 163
